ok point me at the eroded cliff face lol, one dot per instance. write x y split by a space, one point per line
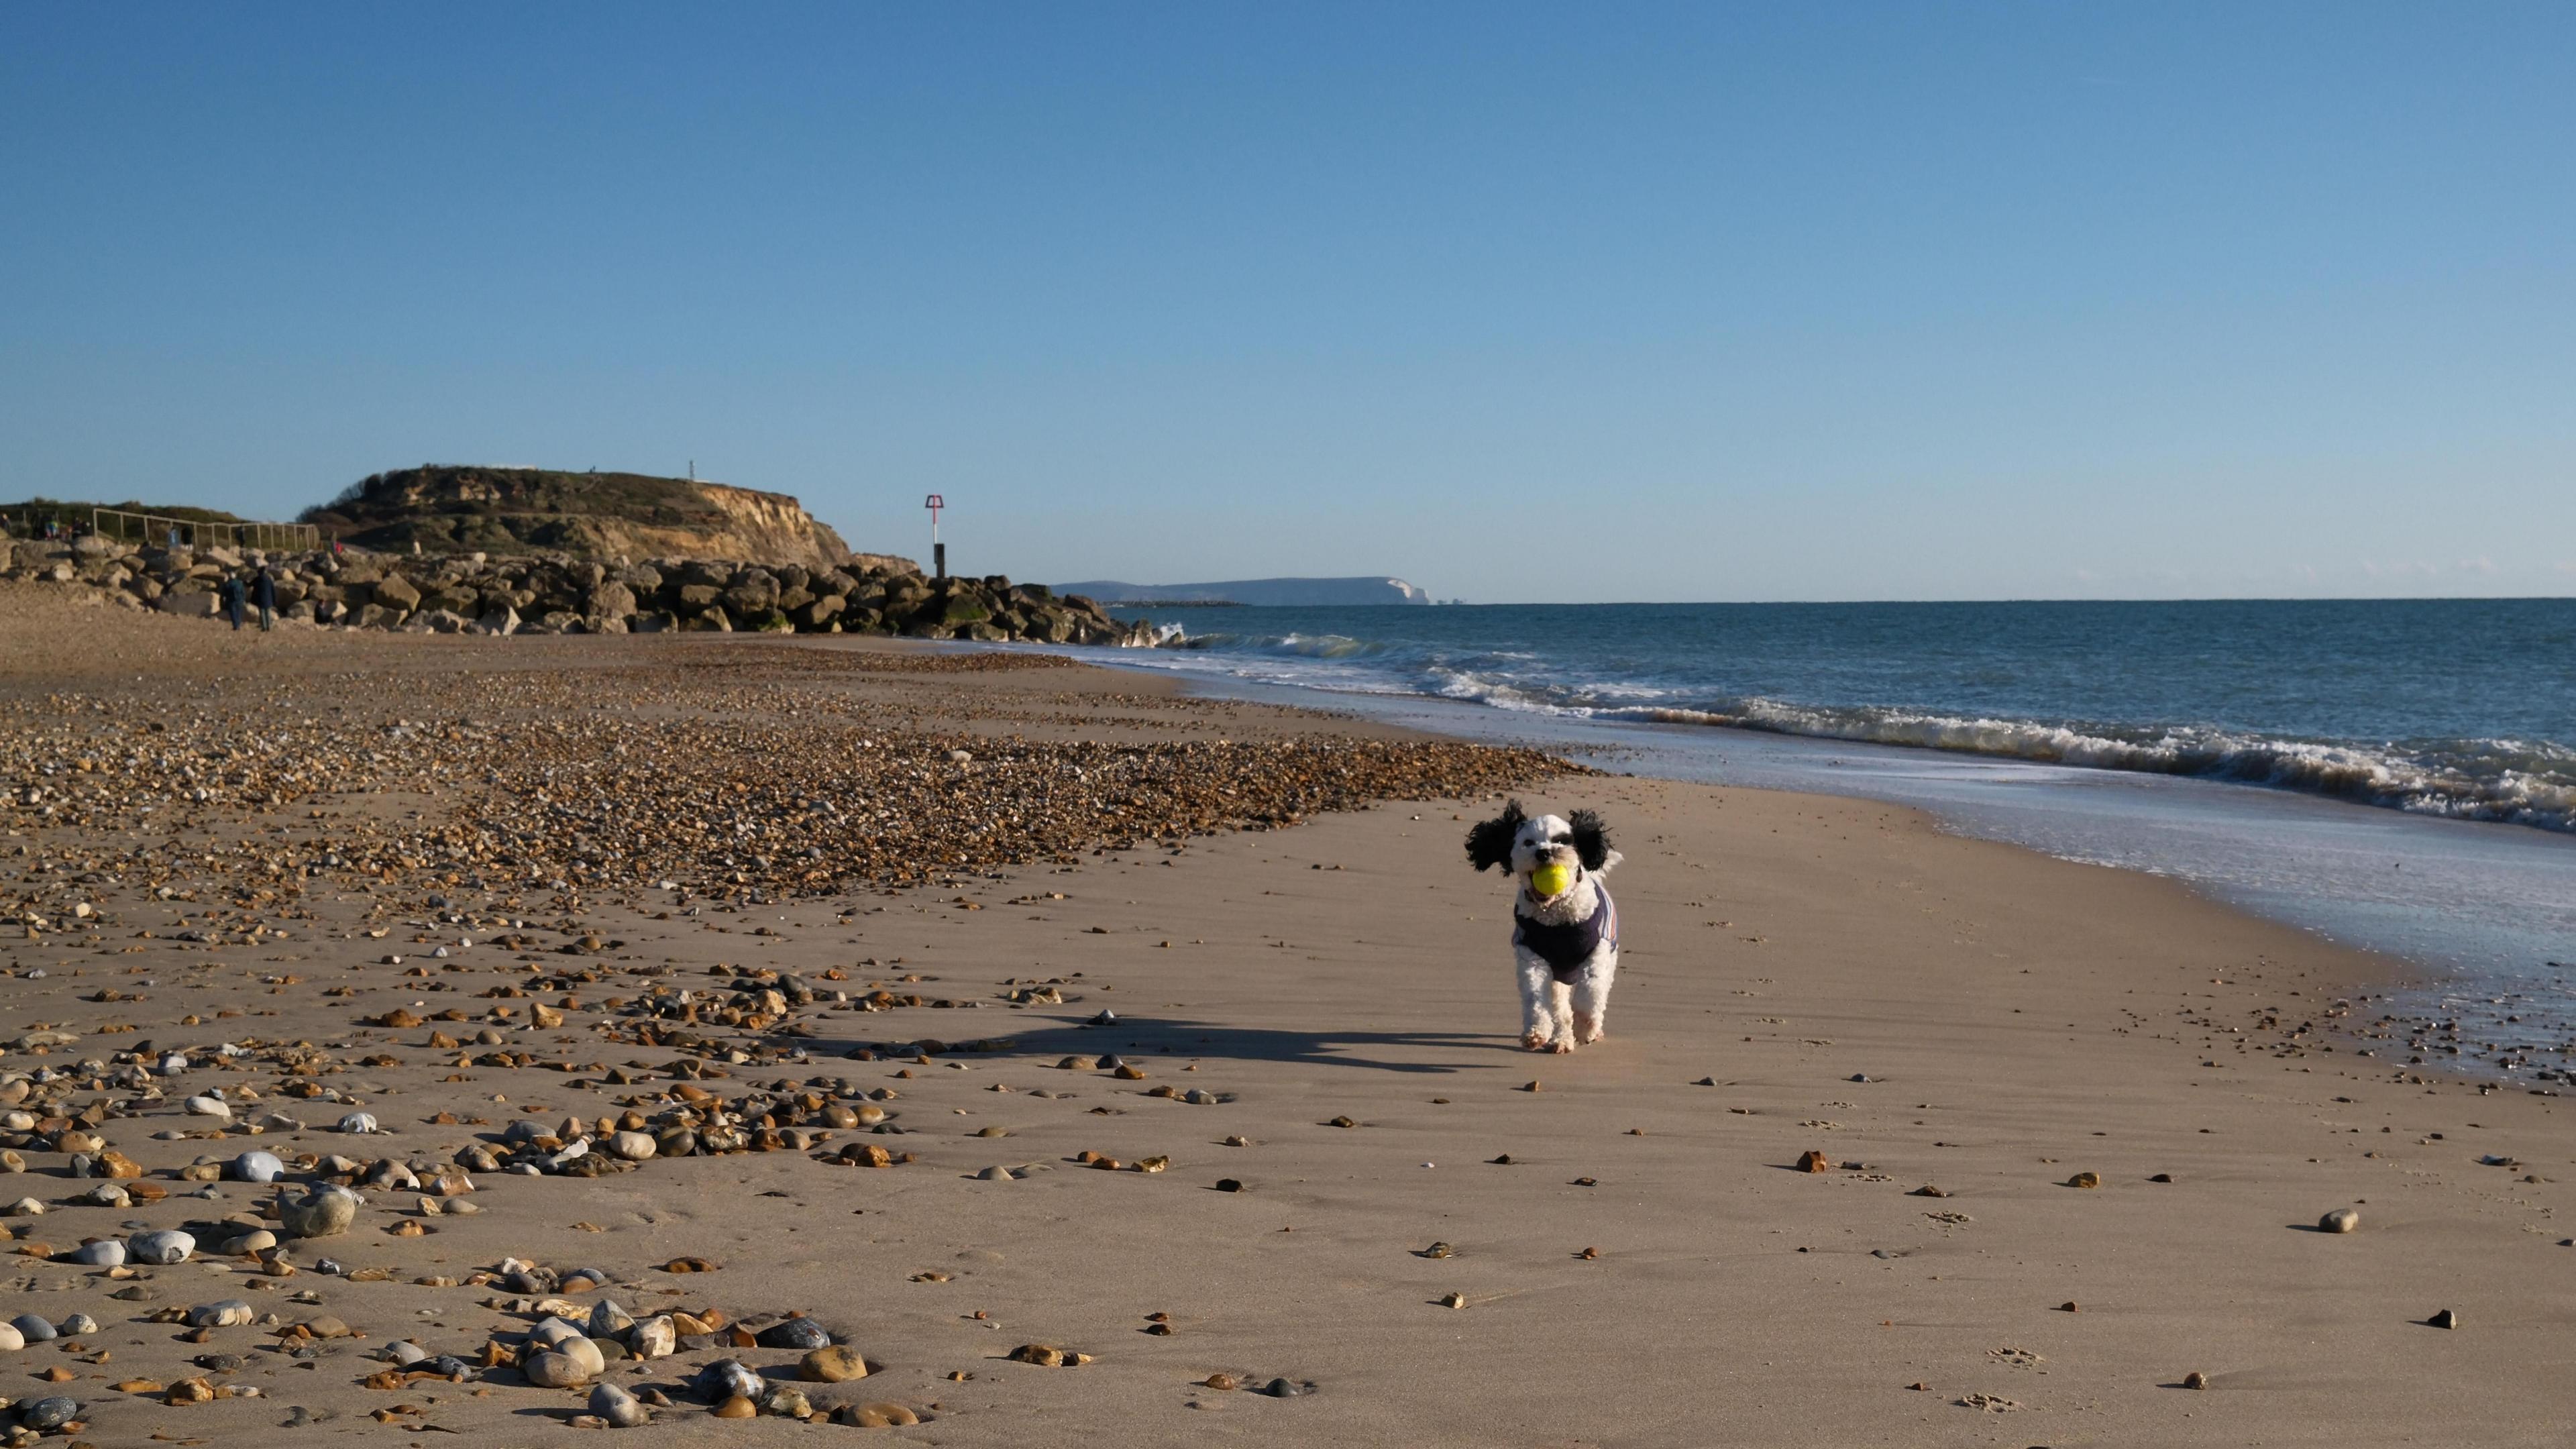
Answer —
447 510
768 528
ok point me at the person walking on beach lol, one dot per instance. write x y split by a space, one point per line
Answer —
267 590
231 595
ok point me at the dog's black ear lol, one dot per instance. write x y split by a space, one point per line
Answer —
1490 843
1591 840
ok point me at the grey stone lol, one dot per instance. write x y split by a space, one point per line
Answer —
227 1313
618 1407
105 1253
320 1214
795 1333
258 1167
163 1247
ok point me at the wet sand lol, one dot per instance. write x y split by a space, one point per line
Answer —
1649 1267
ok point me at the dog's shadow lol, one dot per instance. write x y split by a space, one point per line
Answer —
1143 1039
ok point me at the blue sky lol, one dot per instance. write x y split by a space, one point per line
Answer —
1520 302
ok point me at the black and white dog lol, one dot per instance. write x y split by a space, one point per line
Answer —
1565 930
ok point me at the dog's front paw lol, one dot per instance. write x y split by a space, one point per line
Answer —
1588 1032
1535 1041
1561 1047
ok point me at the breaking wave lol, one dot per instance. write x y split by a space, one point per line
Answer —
2508 781
2514 781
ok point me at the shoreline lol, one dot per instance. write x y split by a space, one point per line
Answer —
2458 961
1318 1012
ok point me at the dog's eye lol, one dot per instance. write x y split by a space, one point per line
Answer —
1560 840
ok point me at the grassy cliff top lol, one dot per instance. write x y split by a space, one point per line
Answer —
409 493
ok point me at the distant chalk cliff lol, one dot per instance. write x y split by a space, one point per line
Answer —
1282 593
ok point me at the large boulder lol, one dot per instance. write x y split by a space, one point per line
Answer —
396 592
609 600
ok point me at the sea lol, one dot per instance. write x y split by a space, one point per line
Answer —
2397 775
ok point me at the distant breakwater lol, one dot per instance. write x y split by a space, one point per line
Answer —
553 594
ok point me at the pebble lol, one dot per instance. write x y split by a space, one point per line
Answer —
258 1167
358 1122
105 1253
33 1329
877 1415
1282 1389
2341 1220
1453 1300
323 1213
45 1415
631 1146
2447 1318
552 1330
736 1407
619 1408
209 1107
227 1313
832 1364
728 1379
655 1337
162 1247
556 1370
2085 1180
1228 1184
11 1340
2195 1380
1814 1161
798 1333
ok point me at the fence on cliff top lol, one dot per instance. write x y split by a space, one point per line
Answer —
154 528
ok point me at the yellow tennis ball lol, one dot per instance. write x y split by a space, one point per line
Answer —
1551 880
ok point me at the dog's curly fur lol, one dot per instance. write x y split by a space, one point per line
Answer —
1562 1006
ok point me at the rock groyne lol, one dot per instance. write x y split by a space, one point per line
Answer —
557 594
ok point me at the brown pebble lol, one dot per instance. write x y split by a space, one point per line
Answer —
2085 1179
832 1364
2195 1380
1221 1381
2068 1307
1812 1161
878 1415
736 1407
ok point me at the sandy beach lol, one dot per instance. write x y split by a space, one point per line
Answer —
834 902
